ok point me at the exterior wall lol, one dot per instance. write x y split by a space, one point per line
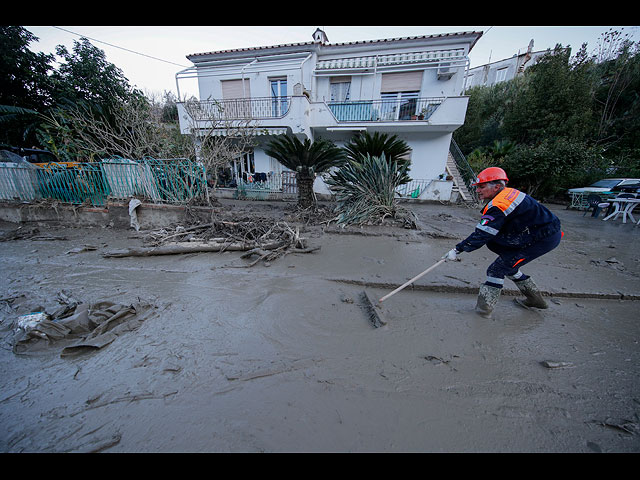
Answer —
308 69
486 75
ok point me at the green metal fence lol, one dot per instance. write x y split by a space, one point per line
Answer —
173 181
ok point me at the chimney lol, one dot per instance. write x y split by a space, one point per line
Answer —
320 37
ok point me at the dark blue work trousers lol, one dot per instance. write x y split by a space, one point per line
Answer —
510 259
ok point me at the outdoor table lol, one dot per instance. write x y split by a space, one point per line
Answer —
623 206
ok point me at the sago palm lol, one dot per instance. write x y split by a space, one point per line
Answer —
307 159
378 144
365 190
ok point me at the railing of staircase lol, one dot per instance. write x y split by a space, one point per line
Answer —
467 173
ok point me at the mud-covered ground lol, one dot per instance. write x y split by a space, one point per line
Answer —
283 358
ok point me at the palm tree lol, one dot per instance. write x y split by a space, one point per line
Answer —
307 159
366 190
379 145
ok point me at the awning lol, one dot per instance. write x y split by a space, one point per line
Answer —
433 56
223 132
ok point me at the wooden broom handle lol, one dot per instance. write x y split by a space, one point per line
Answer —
412 280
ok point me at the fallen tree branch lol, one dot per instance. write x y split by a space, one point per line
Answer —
187 247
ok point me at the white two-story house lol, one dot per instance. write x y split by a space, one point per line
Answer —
411 87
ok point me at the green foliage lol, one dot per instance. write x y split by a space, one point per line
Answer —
85 76
25 86
379 144
365 190
305 157
24 78
573 119
552 166
71 110
485 113
554 100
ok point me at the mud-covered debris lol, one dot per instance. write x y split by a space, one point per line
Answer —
19 233
346 299
624 425
555 364
83 248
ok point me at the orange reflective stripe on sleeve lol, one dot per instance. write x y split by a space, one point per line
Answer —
519 261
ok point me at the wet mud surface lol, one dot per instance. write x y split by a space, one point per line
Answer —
283 358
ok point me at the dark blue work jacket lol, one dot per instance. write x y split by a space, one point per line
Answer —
511 219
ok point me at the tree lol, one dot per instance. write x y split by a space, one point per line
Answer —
24 85
307 159
219 135
131 129
553 165
553 101
484 119
380 145
85 76
617 95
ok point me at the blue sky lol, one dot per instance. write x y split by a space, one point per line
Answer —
169 45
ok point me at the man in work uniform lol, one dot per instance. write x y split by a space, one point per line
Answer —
518 229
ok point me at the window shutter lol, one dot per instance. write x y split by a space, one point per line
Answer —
401 82
233 89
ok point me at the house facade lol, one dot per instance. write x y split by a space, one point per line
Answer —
503 70
411 87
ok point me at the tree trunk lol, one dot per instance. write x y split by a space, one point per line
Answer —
305 190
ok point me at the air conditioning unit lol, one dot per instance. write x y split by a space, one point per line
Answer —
445 72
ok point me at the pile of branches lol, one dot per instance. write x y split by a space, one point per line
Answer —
314 215
256 236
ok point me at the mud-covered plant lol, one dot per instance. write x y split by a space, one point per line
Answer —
377 144
365 191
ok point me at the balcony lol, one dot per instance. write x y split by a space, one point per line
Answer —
259 108
385 110
273 116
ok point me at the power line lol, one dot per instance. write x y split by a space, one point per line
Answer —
121 48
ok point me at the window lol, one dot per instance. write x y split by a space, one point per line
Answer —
278 96
233 93
398 105
235 89
501 74
340 89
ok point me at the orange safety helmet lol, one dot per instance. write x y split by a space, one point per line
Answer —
490 174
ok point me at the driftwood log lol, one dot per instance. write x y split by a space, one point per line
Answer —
176 248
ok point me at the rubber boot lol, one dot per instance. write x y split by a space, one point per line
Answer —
530 290
487 298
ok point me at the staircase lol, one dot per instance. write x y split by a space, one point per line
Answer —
458 183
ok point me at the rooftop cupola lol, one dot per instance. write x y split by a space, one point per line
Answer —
319 36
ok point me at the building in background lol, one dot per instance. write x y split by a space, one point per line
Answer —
412 87
502 70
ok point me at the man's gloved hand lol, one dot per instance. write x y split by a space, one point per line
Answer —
451 255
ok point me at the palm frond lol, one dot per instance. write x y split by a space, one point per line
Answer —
313 157
365 190
377 144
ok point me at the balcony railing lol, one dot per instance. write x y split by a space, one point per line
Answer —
385 110
239 108
264 108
